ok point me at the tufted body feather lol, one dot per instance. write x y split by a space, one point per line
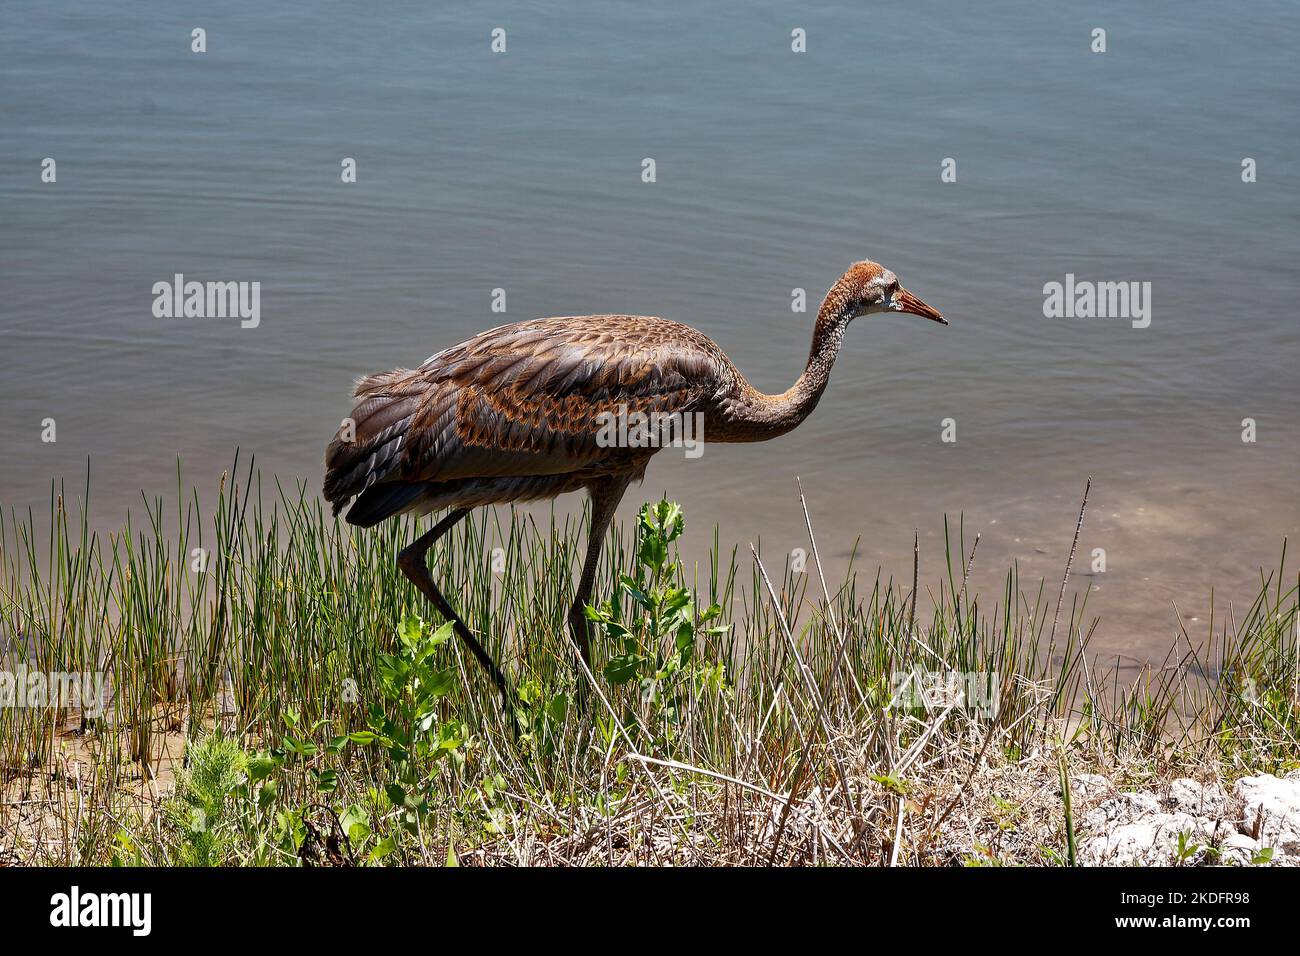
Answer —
512 413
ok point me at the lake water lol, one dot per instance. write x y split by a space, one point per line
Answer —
774 170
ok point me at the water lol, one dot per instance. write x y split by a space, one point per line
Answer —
775 170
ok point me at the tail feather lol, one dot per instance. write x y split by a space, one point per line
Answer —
352 467
368 447
385 500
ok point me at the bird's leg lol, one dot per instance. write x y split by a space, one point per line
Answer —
605 497
411 560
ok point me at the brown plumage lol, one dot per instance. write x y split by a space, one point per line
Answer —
515 413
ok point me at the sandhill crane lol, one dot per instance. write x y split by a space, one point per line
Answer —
516 414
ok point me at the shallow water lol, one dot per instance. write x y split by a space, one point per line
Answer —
775 170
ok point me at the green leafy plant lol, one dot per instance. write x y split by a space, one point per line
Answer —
204 812
125 851
654 647
283 827
407 724
981 856
1186 850
541 718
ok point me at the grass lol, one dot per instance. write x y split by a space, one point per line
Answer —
275 697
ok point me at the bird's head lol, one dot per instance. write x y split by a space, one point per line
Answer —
869 287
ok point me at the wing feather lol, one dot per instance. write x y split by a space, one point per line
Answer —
519 400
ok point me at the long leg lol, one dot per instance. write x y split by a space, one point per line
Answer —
605 496
411 561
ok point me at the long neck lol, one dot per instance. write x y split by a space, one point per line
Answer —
756 416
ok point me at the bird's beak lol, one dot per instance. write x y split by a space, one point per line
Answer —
904 301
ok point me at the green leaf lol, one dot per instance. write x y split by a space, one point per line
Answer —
616 631
356 823
383 848
634 590
451 735
261 766
891 783
440 683
685 642
393 672
266 794
410 629
557 707
676 599
653 552
303 748
621 669
671 519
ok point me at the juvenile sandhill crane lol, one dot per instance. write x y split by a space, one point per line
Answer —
516 414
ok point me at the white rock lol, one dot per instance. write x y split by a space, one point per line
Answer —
1195 798
1135 829
1239 849
1272 805
1086 785
1122 808
1151 840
